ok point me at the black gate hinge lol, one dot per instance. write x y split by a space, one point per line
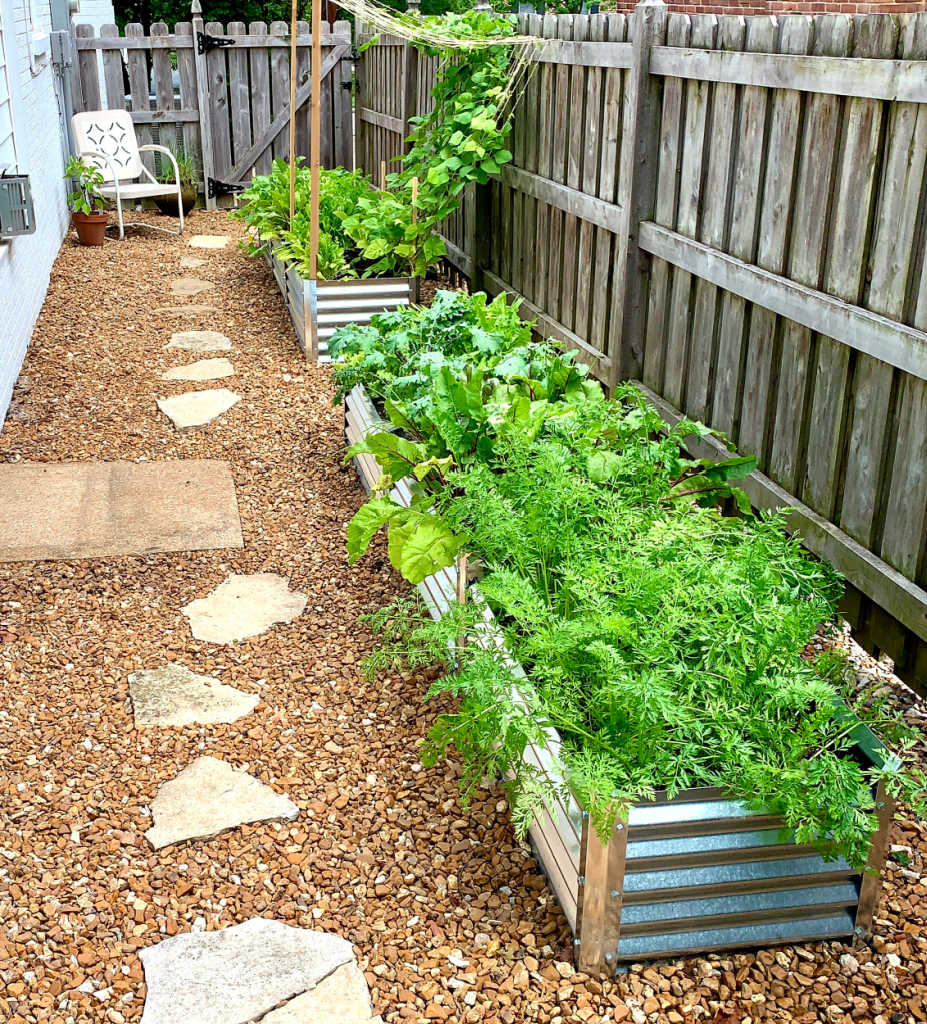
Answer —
215 188
205 42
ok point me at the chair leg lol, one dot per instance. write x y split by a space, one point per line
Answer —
122 232
180 211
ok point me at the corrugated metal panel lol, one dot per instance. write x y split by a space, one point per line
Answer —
714 874
339 303
811 929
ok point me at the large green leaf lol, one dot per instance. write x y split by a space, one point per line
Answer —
428 547
365 523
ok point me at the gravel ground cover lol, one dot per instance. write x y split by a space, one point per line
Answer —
449 915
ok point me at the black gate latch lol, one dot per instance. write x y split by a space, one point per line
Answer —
215 188
205 42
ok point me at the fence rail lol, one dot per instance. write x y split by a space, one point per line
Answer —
733 211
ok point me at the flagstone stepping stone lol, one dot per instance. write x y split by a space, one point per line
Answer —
186 286
189 262
173 695
199 341
209 241
244 606
342 998
203 369
209 797
236 975
197 409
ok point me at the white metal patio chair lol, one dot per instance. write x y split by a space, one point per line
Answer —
106 138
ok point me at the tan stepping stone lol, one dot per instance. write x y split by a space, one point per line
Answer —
173 695
244 606
209 241
234 976
197 409
204 369
66 510
209 797
186 286
342 998
191 262
199 341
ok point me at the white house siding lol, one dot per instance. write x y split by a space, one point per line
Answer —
27 90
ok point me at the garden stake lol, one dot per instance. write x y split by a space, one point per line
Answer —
461 598
292 110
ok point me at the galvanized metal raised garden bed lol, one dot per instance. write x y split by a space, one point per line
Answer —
699 872
319 308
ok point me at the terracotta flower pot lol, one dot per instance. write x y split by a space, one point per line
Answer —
91 227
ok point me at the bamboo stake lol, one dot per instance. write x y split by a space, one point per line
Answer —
293 13
315 139
461 599
382 175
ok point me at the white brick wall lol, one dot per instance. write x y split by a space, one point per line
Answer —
25 262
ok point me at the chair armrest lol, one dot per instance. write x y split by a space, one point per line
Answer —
152 147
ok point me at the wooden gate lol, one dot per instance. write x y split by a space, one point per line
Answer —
220 91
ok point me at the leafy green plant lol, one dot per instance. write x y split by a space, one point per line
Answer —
86 178
186 168
265 208
661 638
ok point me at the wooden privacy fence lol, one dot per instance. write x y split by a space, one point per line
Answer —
223 92
734 212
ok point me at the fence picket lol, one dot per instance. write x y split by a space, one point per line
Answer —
905 527
608 292
694 149
218 87
89 71
748 169
186 72
731 34
806 261
677 34
280 85
139 90
112 71
759 374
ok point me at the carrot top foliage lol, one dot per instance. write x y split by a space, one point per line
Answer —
661 637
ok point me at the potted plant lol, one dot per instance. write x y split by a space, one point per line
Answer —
87 203
186 167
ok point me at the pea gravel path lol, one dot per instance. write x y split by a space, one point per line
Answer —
448 914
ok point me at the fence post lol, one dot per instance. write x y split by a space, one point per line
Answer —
202 102
638 182
480 234
409 89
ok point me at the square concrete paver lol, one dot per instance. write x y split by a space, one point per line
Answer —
66 510
209 241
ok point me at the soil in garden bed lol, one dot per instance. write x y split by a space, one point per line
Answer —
449 916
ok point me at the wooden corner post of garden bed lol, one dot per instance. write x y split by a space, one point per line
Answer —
638 181
870 886
598 904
